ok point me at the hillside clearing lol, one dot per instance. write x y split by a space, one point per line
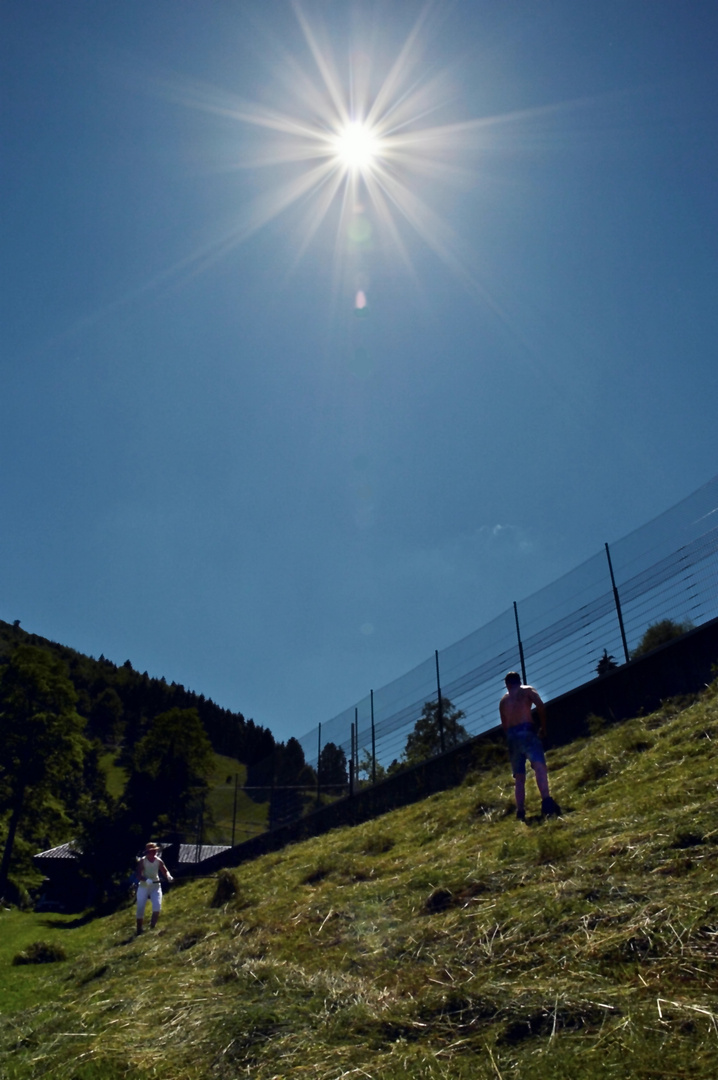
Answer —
441 940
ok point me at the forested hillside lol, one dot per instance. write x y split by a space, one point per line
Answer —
65 719
117 701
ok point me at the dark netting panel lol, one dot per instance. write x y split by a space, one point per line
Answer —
363 729
667 569
566 626
398 706
473 669
337 731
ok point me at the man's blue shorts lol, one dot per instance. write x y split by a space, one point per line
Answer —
523 742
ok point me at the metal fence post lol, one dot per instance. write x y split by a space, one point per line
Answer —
373 740
353 763
234 808
618 604
440 707
521 647
200 834
319 764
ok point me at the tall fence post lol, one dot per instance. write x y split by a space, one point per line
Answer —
521 647
373 740
200 834
234 808
440 707
351 764
354 752
617 601
272 796
319 765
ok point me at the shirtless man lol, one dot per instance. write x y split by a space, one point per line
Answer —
523 742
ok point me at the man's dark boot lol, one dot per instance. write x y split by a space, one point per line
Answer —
550 808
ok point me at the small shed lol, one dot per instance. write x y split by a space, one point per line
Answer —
64 888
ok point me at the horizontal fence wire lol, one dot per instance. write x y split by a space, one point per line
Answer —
667 569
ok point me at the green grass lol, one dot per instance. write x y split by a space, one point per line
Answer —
21 987
444 940
251 817
115 775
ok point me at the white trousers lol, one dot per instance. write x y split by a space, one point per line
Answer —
148 890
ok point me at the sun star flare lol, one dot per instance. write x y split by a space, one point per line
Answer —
360 145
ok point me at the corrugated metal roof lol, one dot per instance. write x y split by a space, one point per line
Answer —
196 853
188 854
64 851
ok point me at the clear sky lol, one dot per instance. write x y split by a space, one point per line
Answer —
275 425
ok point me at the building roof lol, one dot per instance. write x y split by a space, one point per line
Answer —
197 853
187 855
64 851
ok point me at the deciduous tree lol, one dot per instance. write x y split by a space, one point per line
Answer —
425 740
42 745
172 763
660 633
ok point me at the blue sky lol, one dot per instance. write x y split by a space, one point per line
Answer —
212 465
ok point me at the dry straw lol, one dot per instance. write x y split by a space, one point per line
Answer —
444 940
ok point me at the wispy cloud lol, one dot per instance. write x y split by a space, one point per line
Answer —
469 556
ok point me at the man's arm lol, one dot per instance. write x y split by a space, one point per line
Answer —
501 711
541 710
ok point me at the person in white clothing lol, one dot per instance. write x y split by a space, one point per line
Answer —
150 869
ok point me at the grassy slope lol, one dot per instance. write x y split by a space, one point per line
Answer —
115 775
443 940
251 817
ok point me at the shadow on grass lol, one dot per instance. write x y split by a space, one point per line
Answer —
71 924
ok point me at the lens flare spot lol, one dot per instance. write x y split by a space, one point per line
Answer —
360 231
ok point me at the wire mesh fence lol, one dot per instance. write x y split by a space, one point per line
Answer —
665 570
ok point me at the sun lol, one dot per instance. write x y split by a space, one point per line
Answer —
365 139
357 147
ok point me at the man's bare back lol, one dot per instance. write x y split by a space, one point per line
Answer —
516 704
523 743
